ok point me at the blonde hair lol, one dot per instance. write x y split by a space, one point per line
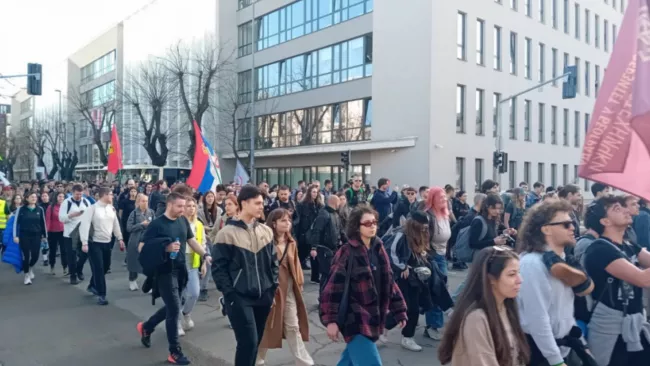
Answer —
196 209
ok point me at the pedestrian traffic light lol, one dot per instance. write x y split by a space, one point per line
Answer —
570 84
504 163
345 158
496 159
34 79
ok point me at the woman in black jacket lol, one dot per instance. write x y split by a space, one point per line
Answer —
459 205
29 231
496 233
307 212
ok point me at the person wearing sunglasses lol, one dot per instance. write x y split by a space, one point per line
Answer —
361 263
408 197
356 194
551 280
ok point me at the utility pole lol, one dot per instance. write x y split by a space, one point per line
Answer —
57 129
253 131
569 73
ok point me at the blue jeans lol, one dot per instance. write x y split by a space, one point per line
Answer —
434 317
361 351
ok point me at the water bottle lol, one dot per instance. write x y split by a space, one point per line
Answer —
173 255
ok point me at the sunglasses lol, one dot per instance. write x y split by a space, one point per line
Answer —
357 181
566 224
410 193
369 223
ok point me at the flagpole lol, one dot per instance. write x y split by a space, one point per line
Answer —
253 95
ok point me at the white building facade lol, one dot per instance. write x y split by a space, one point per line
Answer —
411 89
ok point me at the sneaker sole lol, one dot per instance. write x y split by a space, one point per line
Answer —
140 328
171 360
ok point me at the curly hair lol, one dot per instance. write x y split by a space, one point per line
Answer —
354 221
530 237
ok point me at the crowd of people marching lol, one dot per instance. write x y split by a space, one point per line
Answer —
551 281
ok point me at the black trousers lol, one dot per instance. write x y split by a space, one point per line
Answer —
30 247
55 241
315 273
76 257
412 297
621 357
248 324
170 293
98 255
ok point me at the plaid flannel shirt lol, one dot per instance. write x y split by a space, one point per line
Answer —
368 305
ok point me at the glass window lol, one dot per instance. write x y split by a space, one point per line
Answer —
513 53
479 112
528 8
460 36
98 67
587 117
460 108
614 33
605 37
460 173
513 5
577 65
245 39
512 173
554 65
565 132
527 172
527 58
576 129
497 48
553 125
587 79
496 100
565 174
541 109
554 13
244 86
513 119
542 61
566 16
587 30
577 20
597 30
527 115
554 175
480 40
596 79
540 172
542 9
478 174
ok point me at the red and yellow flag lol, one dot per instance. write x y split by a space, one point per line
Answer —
114 153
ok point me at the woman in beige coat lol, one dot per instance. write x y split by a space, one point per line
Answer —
288 317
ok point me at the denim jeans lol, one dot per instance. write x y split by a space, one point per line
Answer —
97 256
191 293
361 351
434 317
170 295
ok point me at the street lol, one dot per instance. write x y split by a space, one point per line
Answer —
52 323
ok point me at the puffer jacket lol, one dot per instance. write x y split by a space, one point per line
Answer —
12 254
245 266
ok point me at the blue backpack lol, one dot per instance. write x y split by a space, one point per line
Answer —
12 254
464 252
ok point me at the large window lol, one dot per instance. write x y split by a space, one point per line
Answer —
542 61
479 112
597 30
332 123
528 8
554 65
576 129
512 173
460 108
527 172
513 5
566 16
553 125
587 25
542 11
291 176
565 174
496 100
513 53
461 36
565 131
244 84
497 48
554 175
460 173
478 174
512 128
99 67
605 37
577 20
304 17
577 65
480 42
527 58
245 39
540 172
587 78
587 118
527 117
330 65
614 33
102 94
541 109
554 13
596 79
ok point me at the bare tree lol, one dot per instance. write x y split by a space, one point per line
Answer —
11 151
198 68
99 111
35 137
150 89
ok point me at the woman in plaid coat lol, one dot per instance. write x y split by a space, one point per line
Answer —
372 293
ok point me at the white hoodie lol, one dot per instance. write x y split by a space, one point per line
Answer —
67 207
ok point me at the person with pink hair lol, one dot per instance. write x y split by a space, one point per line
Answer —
437 209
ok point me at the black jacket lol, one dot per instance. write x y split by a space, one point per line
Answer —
327 230
460 209
307 213
461 224
245 266
289 205
383 203
30 222
402 209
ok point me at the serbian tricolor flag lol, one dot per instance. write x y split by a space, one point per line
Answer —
205 174
114 153
616 148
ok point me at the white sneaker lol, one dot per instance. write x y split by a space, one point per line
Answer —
28 280
432 333
260 363
187 321
31 274
133 286
181 332
410 344
383 338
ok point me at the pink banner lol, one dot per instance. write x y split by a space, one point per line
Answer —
616 148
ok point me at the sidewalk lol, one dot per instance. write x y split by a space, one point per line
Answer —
66 327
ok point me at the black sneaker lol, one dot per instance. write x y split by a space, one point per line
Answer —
145 338
203 295
92 290
80 276
46 263
101 300
74 281
177 358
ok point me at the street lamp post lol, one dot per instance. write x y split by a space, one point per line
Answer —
58 125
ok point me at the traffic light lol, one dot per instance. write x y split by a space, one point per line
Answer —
570 84
496 159
34 79
345 158
500 161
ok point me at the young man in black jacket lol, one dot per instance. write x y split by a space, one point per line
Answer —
326 237
245 270
171 274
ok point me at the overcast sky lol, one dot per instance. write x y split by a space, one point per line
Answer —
48 31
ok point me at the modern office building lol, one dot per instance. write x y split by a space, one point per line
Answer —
411 89
23 107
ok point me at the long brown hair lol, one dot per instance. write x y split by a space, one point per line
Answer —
488 264
307 199
209 212
417 236
276 215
